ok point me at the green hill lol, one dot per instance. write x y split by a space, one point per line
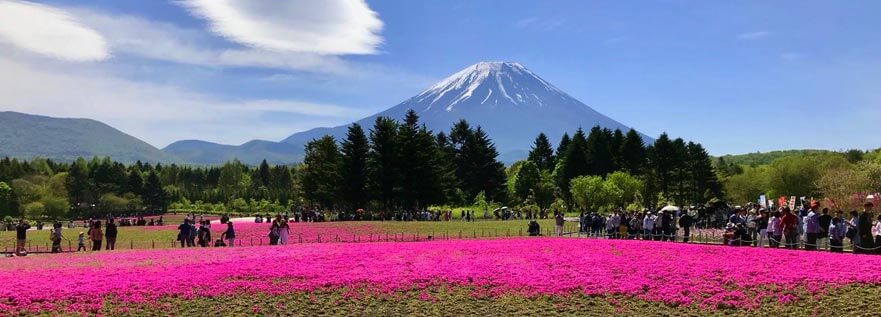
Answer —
759 158
29 136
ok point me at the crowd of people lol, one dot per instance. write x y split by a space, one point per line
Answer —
808 228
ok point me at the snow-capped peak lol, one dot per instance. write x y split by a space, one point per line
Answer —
493 83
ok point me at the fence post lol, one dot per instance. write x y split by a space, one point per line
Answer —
460 234
319 238
300 237
153 242
131 244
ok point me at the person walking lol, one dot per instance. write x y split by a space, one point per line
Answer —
204 233
81 242
558 222
96 235
110 233
229 235
21 236
788 224
183 234
812 228
56 237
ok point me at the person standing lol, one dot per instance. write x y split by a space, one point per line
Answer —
864 229
648 226
775 230
837 232
788 225
21 236
273 233
110 233
284 232
812 228
876 231
558 222
685 222
229 235
96 235
762 223
825 222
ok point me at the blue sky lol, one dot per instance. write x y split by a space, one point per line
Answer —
738 76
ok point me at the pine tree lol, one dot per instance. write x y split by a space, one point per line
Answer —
573 163
663 164
561 148
616 143
135 184
445 162
383 160
154 195
321 171
354 167
542 154
599 152
263 174
633 154
705 183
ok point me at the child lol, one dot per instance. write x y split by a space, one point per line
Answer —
82 242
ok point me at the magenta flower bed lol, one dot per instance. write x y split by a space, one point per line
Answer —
676 274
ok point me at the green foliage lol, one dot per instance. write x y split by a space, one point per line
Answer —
321 173
355 150
593 193
6 196
542 154
759 158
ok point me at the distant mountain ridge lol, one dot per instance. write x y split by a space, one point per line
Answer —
27 136
511 103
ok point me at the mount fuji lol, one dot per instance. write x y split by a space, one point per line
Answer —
511 103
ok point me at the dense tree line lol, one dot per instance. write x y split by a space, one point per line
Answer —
42 187
394 166
667 171
402 166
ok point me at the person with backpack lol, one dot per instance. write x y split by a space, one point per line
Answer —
183 233
110 233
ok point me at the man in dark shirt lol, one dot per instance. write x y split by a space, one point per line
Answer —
21 235
685 222
825 221
110 233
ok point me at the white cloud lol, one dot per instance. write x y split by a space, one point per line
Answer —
333 27
156 113
49 31
168 42
753 35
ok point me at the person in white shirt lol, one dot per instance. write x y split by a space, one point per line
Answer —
648 225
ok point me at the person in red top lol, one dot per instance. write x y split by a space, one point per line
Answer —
790 232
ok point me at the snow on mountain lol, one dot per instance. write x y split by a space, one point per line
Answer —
511 103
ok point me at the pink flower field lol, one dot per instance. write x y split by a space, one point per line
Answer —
707 277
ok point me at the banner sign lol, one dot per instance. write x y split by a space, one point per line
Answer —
763 201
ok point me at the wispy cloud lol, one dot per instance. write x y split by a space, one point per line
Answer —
156 113
753 35
50 32
312 26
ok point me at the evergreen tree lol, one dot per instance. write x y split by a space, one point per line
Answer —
382 162
321 171
79 184
681 174
573 163
354 167
704 183
263 174
542 154
135 184
154 195
616 143
561 148
599 152
662 160
633 154
445 162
